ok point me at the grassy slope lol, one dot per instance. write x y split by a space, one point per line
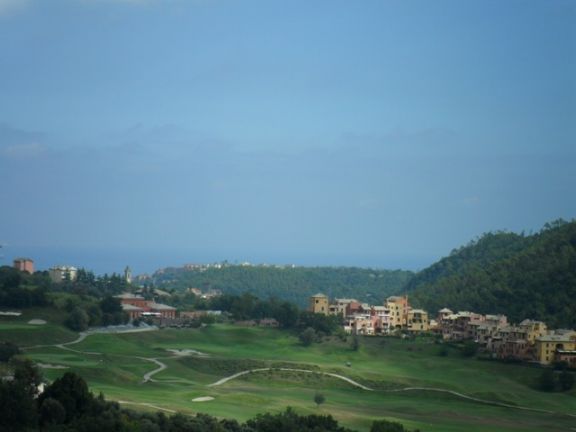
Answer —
383 363
18 331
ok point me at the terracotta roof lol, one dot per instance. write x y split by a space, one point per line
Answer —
129 307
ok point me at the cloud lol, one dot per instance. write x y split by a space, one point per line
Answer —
20 144
24 151
8 6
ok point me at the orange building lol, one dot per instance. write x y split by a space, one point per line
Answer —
24 264
137 306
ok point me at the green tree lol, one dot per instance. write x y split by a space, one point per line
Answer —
547 381
71 391
355 342
566 380
26 375
387 426
77 319
287 315
319 399
7 351
110 305
17 407
51 413
469 348
307 336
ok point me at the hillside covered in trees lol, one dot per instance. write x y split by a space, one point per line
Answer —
522 276
294 284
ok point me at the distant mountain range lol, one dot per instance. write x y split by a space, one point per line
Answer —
522 276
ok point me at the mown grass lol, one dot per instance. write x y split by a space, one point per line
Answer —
18 331
381 363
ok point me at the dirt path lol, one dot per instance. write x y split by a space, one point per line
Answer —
483 401
162 366
239 374
406 389
148 376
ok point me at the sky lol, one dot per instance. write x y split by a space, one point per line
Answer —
378 133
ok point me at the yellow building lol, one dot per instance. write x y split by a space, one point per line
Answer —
398 307
417 320
556 347
533 329
319 304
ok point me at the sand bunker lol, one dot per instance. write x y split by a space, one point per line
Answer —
37 322
51 366
10 313
203 399
187 352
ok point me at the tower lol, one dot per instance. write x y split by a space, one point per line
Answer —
319 304
128 274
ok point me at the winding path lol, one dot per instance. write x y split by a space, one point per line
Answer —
405 389
162 366
484 401
239 374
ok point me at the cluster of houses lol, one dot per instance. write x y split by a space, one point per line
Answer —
365 319
529 341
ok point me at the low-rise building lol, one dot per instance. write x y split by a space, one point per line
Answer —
417 320
137 307
556 347
63 273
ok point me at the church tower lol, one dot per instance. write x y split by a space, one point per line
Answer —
128 274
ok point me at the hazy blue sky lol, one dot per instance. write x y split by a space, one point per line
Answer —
374 133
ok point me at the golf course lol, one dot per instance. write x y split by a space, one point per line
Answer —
237 372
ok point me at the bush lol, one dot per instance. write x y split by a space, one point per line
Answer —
566 380
77 320
319 399
307 336
469 349
546 382
443 351
387 426
355 343
7 351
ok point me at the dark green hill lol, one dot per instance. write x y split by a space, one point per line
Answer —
294 284
522 276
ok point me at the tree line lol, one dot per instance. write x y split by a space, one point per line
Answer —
87 301
294 284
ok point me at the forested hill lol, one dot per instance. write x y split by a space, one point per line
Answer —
522 276
294 284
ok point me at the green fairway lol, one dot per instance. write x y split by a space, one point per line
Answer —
387 365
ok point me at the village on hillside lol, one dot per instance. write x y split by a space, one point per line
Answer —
528 341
